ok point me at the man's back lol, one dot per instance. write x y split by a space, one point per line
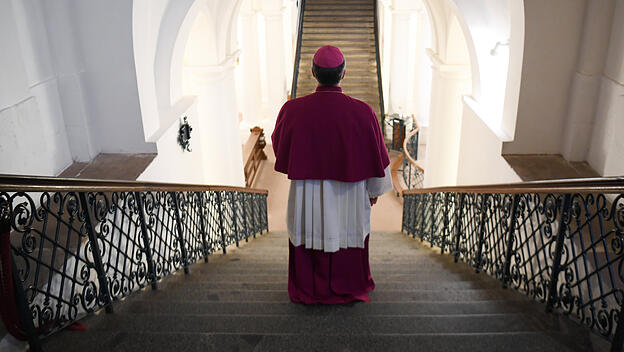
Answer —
336 136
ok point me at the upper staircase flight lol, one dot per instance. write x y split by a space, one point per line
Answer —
349 25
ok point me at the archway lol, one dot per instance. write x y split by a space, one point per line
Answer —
476 58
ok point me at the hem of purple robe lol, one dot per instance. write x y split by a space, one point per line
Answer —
329 278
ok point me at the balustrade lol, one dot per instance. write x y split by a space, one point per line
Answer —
560 243
72 248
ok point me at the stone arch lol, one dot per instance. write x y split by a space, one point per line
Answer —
173 36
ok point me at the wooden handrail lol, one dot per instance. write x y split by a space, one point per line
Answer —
253 154
382 118
396 178
574 185
407 138
293 89
13 183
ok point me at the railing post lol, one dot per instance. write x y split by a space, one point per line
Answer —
552 290
406 207
432 227
202 220
234 218
481 232
458 226
413 215
446 223
221 228
244 207
266 211
618 337
95 251
176 205
25 315
510 240
422 215
146 241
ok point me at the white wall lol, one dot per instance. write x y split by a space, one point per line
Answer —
571 97
172 164
105 37
33 139
552 37
68 90
190 53
605 151
480 160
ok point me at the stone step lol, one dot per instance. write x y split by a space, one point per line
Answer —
377 262
366 44
347 84
434 342
297 323
363 61
183 307
338 26
266 278
338 31
380 285
345 50
356 37
314 12
337 7
376 295
346 2
323 19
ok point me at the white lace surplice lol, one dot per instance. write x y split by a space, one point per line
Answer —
329 215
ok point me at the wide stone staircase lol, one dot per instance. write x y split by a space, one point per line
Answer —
423 301
349 25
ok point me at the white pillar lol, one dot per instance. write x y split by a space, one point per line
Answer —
386 49
399 63
403 56
250 62
218 128
61 99
449 84
276 72
422 71
586 81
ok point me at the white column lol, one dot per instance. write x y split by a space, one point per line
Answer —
449 84
218 128
250 62
399 62
422 71
276 72
386 49
58 87
586 81
403 55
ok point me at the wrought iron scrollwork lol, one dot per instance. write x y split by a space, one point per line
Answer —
77 253
564 250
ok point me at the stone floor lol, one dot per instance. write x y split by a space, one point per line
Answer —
548 167
127 167
239 302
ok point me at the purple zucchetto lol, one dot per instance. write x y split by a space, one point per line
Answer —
328 57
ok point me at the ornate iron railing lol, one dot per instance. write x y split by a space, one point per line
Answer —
79 246
560 242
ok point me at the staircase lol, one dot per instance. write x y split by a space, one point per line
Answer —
350 26
239 302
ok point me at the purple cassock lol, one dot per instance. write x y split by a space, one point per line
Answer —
328 135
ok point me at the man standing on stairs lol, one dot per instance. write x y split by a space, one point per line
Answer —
332 149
